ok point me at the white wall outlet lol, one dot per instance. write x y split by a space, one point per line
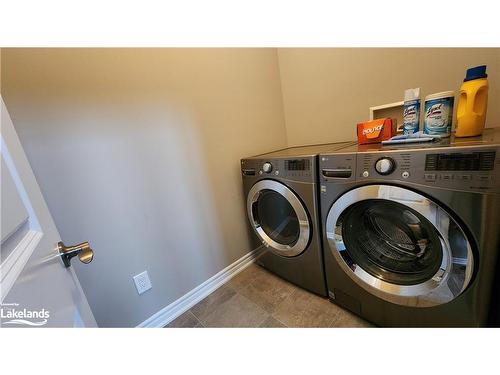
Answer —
142 282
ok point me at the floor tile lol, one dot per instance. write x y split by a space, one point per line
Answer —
238 311
210 303
257 298
245 277
186 320
304 309
267 290
346 319
270 322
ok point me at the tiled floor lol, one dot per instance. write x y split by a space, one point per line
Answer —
257 298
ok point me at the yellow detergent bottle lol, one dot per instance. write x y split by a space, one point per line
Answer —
472 103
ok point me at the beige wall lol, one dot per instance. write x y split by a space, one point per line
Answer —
326 92
138 152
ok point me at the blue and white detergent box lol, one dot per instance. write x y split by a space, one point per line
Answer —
411 111
439 113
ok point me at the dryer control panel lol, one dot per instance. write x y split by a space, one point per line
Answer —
474 169
296 169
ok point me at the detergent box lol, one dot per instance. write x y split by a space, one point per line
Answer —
376 131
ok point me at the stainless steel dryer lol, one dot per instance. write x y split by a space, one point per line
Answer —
411 234
282 205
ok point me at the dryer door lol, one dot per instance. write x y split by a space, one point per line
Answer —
399 245
278 217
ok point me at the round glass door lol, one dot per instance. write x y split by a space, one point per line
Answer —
391 241
278 217
399 245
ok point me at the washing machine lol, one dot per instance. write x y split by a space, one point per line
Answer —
411 234
281 193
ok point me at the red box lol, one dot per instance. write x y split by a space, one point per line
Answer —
375 131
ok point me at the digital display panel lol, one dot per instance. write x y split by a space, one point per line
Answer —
474 161
297 165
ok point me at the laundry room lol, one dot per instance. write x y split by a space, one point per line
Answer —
138 151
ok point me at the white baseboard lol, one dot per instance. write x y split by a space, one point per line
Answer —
188 300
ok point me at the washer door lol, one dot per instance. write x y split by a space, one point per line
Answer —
278 217
399 245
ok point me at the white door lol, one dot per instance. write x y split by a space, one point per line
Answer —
36 288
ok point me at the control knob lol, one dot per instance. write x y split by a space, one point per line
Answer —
385 166
267 167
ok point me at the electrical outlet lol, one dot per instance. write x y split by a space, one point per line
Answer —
142 282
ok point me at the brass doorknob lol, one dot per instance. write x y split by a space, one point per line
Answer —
83 250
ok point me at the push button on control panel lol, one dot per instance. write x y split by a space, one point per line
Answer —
467 169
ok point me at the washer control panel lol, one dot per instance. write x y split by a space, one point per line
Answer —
459 169
474 169
297 169
385 166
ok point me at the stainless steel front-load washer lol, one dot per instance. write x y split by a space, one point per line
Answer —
411 234
281 193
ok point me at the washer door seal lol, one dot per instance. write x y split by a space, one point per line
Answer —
399 245
278 217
